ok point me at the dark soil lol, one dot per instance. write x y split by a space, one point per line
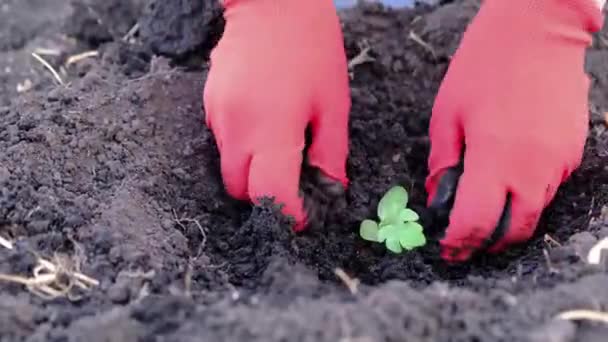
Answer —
118 168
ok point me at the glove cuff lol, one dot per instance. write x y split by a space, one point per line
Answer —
558 20
276 5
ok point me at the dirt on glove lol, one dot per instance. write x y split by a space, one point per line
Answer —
116 170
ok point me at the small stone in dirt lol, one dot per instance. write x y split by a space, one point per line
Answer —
563 254
119 293
582 242
74 220
54 95
554 331
38 227
167 224
17 316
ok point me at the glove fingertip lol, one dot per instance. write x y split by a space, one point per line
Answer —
474 216
300 225
295 210
292 208
334 170
276 175
235 169
454 252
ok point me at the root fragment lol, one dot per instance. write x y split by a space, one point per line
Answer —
47 52
551 241
548 261
180 222
132 32
573 315
188 280
595 254
351 284
49 67
51 280
6 243
416 38
77 58
361 58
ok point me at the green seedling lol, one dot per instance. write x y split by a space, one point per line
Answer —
398 228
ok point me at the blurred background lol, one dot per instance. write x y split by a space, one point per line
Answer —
392 3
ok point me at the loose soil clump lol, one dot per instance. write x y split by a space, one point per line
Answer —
117 173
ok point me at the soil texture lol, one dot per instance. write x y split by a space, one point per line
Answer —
109 165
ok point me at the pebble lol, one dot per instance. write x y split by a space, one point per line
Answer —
38 227
582 242
119 294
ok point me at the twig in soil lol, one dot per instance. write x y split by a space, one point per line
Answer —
361 58
54 279
550 240
597 316
6 243
180 221
188 280
592 204
606 118
415 20
47 52
594 256
552 269
352 284
49 67
127 37
77 58
416 38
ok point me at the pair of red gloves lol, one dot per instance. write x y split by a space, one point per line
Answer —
508 126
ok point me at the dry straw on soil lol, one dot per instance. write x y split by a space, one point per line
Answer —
53 279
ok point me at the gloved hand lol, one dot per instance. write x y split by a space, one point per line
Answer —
510 121
279 67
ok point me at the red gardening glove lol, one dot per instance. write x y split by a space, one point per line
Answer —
279 67
513 110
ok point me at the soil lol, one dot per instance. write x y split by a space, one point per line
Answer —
117 170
